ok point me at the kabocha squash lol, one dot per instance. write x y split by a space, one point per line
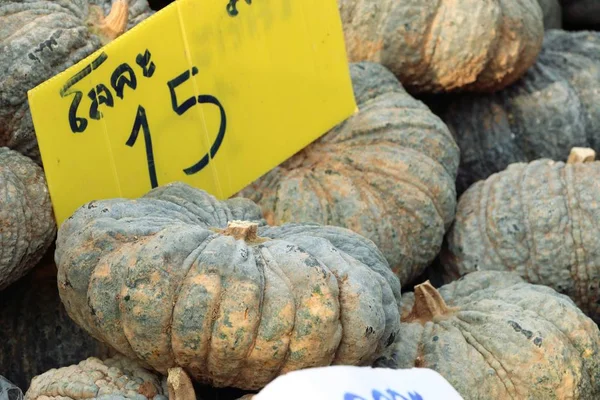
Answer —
494 336
387 173
36 334
444 45
553 108
539 219
581 14
39 39
113 378
552 11
177 278
27 226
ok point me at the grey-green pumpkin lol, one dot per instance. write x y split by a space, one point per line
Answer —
27 226
494 336
387 173
552 109
178 278
39 39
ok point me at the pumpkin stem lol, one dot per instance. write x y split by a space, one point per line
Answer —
428 304
115 23
180 385
242 230
581 155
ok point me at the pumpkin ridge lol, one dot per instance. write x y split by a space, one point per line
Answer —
329 212
484 207
426 54
529 237
487 356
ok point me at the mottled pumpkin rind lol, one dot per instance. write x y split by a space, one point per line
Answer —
158 280
552 109
552 11
539 219
39 39
27 225
387 173
445 45
93 378
503 338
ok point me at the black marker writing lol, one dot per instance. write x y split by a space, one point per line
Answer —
232 7
141 122
181 108
388 395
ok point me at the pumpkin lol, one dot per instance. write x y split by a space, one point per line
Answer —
27 226
581 13
39 39
443 45
93 378
550 110
8 390
494 336
386 173
178 278
37 334
552 11
538 219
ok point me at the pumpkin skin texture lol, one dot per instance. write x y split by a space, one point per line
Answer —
387 172
539 219
552 11
445 45
494 336
178 278
37 334
553 108
39 39
113 378
26 216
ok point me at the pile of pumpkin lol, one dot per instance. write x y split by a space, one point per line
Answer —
452 223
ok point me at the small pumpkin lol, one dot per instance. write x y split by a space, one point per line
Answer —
553 108
581 14
36 332
178 278
552 11
93 378
539 219
27 226
387 173
442 45
494 336
39 39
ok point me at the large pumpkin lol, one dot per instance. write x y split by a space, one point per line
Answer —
39 39
27 226
177 278
494 336
387 173
443 45
539 219
114 378
553 108
36 334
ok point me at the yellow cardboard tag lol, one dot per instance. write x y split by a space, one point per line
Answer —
211 93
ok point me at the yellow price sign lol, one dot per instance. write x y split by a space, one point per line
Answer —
211 93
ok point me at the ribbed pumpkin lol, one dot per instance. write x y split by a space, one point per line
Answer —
177 278
494 336
39 39
27 226
553 108
582 14
387 173
539 219
93 378
36 334
445 45
552 11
